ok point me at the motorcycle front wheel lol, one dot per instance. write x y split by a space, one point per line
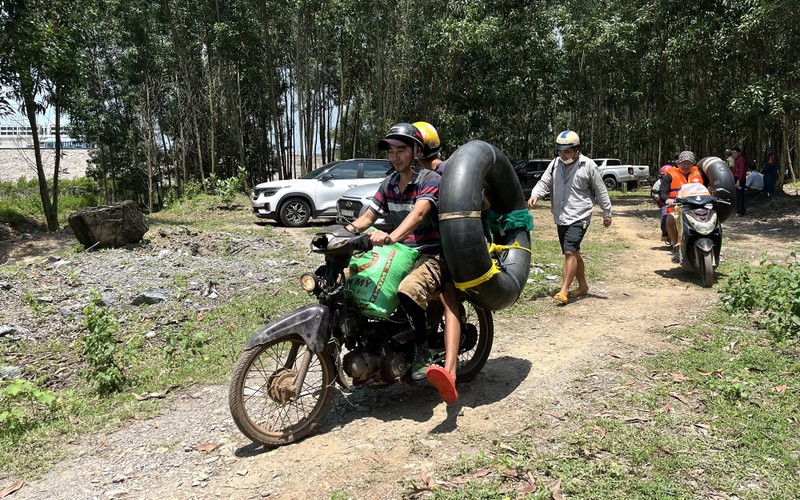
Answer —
707 269
262 396
477 336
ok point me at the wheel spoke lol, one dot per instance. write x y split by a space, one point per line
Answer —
268 388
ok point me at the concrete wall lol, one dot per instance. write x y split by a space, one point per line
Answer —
16 163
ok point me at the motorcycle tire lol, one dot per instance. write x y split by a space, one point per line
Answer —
261 394
477 336
707 269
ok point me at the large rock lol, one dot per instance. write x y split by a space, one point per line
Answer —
109 226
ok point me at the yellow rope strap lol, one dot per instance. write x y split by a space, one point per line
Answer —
499 248
482 279
475 214
493 270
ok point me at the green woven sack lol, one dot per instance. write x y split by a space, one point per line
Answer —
375 277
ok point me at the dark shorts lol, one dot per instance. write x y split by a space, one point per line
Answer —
571 236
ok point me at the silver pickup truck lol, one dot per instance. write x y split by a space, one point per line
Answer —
615 174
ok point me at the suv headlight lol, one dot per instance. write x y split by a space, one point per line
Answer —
267 192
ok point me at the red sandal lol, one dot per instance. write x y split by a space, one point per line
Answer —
443 382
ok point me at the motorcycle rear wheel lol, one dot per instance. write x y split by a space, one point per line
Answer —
261 395
472 356
707 269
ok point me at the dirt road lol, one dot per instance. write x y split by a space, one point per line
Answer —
374 443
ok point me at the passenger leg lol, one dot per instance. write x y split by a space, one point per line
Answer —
452 328
444 380
672 229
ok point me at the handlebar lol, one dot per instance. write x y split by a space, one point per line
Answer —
356 231
363 243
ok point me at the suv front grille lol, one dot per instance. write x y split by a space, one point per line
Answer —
349 209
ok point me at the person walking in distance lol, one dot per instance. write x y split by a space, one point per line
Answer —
574 183
770 169
740 176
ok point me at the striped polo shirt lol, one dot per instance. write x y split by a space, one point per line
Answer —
394 206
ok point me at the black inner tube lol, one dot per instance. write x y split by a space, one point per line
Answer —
721 184
475 169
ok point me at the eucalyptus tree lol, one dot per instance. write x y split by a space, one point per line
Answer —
652 78
766 61
42 63
488 70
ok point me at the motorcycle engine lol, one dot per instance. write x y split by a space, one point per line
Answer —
387 365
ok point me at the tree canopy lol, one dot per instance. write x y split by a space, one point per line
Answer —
175 92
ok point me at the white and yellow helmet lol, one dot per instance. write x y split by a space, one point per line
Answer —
431 145
567 139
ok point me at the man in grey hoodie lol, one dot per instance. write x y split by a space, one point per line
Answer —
574 184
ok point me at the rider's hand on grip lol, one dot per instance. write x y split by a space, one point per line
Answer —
380 238
362 242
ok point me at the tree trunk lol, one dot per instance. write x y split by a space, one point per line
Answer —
241 126
212 118
56 166
30 110
147 131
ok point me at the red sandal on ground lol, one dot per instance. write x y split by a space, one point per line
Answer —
443 382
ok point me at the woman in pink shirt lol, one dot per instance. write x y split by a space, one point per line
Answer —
740 175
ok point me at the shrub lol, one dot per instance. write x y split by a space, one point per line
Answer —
22 404
771 292
99 348
21 203
229 188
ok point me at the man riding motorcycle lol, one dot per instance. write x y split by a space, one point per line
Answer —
408 200
684 173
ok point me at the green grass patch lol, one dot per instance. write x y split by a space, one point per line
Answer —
21 202
718 419
202 349
598 252
208 213
639 193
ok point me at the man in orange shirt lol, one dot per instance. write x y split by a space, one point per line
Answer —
684 173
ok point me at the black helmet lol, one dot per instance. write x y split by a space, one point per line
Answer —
402 134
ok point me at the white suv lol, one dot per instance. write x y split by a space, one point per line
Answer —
293 202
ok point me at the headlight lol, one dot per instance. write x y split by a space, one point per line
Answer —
308 282
270 191
705 227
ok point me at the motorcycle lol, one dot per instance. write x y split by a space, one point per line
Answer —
699 234
283 383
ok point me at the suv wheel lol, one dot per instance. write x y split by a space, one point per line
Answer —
610 182
295 212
